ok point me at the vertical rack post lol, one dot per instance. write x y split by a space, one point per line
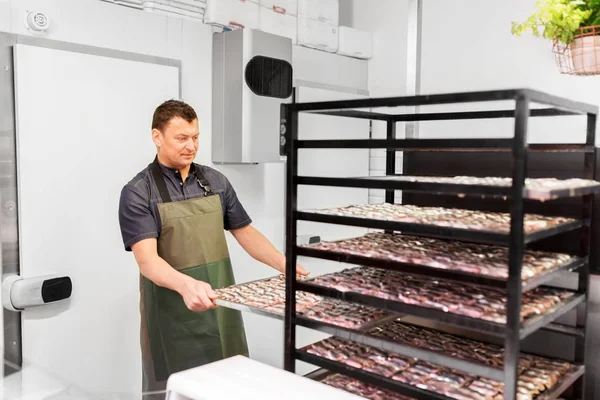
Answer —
390 159
589 172
516 245
289 125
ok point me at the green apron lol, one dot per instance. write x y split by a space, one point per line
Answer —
192 240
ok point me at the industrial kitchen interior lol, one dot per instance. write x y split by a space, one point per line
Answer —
267 199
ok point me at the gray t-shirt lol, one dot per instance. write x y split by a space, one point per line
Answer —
138 214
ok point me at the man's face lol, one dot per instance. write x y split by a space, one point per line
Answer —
177 143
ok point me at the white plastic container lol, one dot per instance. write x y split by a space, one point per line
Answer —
288 7
318 35
188 5
278 24
234 14
320 10
355 43
174 9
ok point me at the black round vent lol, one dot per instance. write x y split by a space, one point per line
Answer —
269 77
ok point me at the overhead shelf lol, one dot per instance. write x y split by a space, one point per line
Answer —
542 189
442 116
438 145
410 144
534 96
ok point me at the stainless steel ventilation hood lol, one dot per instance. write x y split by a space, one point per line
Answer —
252 76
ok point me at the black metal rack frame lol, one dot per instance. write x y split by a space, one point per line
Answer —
513 331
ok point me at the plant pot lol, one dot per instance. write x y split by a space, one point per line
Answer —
585 52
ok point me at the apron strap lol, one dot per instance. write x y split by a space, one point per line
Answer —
160 182
202 181
162 186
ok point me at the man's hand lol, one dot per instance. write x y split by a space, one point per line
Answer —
197 295
299 270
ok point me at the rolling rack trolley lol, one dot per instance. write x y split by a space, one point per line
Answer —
515 196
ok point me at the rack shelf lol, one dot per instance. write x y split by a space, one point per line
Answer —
446 186
436 231
369 377
417 392
475 324
445 116
568 380
437 145
515 237
442 273
364 337
537 375
522 95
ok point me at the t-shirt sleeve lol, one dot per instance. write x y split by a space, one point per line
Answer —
135 217
235 216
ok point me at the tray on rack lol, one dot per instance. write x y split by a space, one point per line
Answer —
472 306
540 189
372 392
468 262
359 388
451 223
426 344
267 297
539 377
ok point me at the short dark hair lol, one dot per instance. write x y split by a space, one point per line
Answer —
171 109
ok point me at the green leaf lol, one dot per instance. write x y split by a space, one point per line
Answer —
558 19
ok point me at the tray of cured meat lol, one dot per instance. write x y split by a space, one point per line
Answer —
384 288
365 390
471 220
267 297
360 388
454 346
539 378
483 260
541 189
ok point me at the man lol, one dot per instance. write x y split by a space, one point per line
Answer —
172 216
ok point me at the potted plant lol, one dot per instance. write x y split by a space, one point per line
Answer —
574 28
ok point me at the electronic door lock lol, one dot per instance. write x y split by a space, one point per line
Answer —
307 239
19 293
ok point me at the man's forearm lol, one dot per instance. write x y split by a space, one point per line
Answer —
162 274
259 247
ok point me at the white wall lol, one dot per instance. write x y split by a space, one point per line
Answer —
260 187
459 55
470 56
387 68
462 54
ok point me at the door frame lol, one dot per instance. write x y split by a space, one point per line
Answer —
9 235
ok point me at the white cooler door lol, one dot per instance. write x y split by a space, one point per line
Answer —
75 152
